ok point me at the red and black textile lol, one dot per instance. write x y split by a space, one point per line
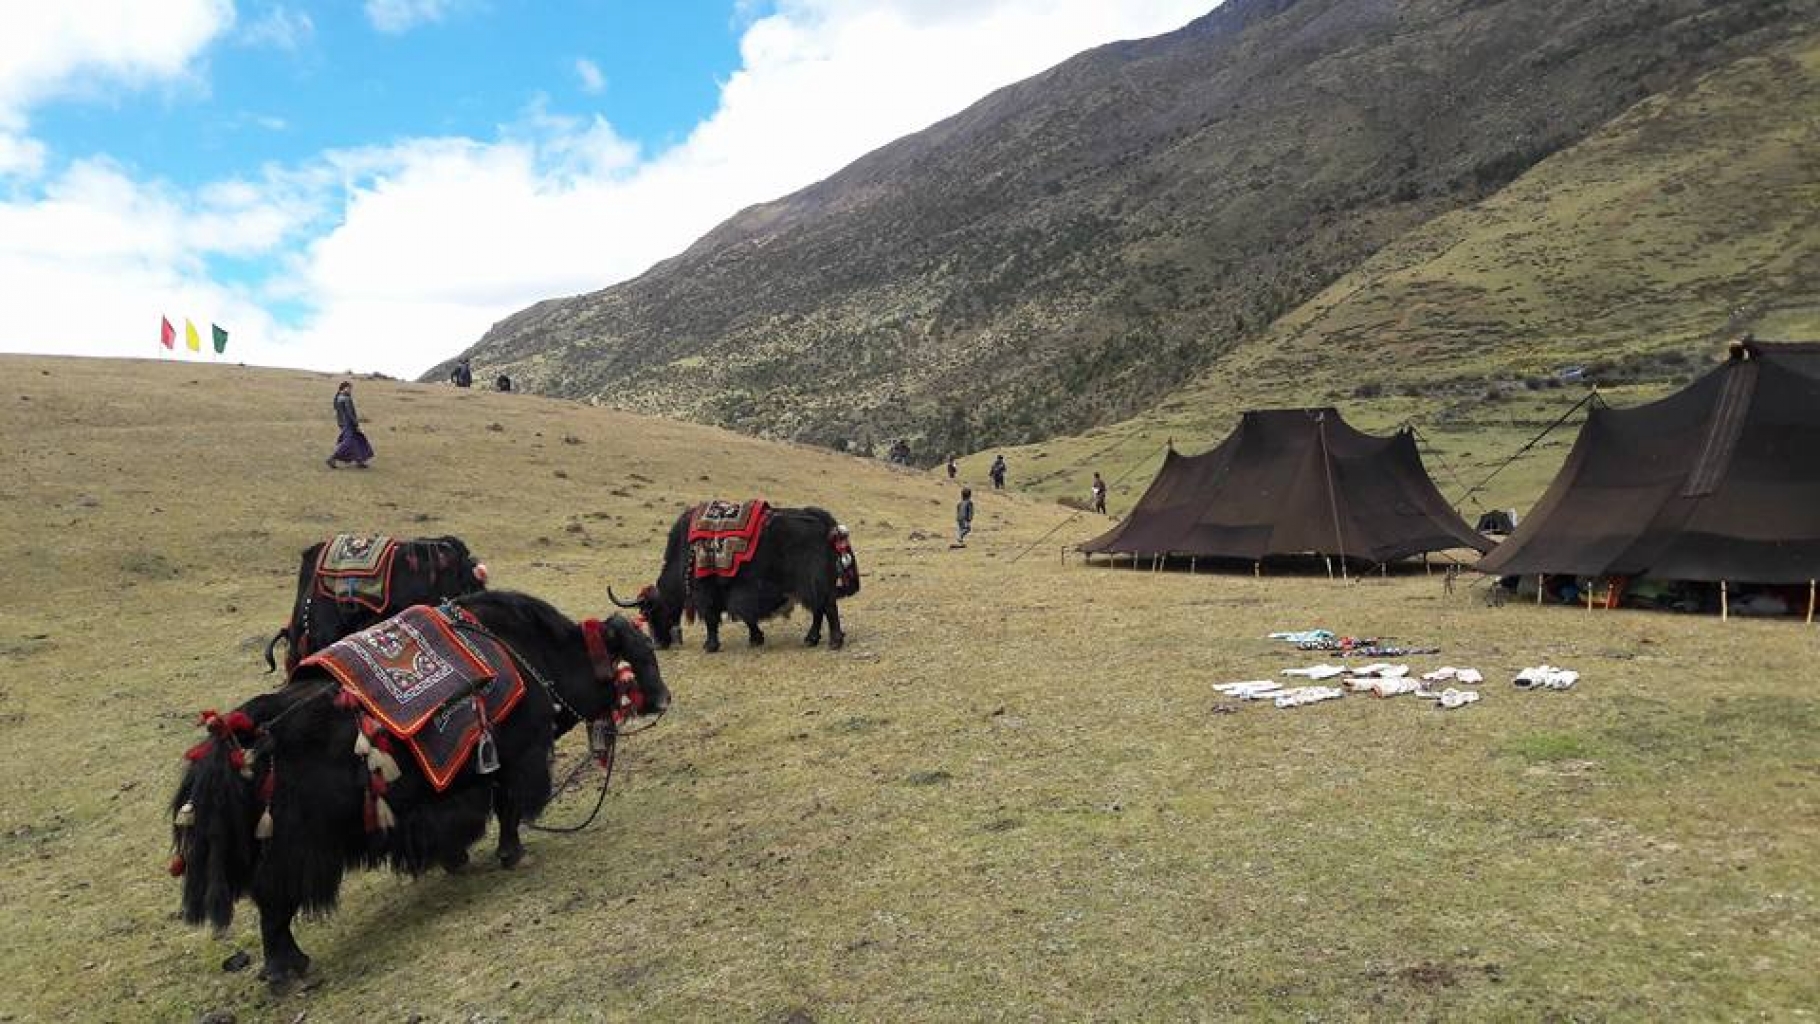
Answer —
357 569
724 535
405 673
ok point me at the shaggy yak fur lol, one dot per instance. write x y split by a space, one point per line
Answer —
318 795
796 564
426 570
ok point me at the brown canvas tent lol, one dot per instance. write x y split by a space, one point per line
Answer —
1292 482
1717 482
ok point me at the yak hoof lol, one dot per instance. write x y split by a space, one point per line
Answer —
756 640
837 641
514 858
456 863
710 645
812 640
280 976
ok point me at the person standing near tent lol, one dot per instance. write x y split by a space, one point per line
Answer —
353 445
463 374
963 518
1099 494
998 472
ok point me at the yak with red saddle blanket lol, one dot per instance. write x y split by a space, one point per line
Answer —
352 581
394 746
750 561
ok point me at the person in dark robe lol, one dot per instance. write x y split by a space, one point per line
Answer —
353 445
1099 494
463 374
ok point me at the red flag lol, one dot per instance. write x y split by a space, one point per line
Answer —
169 337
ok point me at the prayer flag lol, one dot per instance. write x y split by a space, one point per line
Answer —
220 338
169 334
190 337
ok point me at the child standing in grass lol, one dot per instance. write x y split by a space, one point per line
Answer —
963 518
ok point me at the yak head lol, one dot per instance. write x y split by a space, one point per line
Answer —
661 618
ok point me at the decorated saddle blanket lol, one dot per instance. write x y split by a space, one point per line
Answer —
427 682
357 569
724 535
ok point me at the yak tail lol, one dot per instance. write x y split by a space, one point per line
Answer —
212 834
271 664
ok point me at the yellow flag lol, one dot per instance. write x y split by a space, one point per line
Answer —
190 336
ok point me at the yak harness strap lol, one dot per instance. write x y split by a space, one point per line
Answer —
357 569
438 693
724 535
846 567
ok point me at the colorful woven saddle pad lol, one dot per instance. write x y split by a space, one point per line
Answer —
357 569
724 535
426 684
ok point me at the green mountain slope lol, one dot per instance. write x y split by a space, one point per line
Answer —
1634 254
1073 247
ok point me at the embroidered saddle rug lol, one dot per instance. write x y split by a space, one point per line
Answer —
724 535
357 569
426 684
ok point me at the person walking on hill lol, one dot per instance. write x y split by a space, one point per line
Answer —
952 468
463 374
1099 494
353 445
997 472
963 518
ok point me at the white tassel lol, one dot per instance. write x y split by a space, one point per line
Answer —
264 829
362 746
382 813
186 815
383 763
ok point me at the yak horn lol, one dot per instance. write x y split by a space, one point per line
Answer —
615 599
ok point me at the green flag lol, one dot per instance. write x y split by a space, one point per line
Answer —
220 339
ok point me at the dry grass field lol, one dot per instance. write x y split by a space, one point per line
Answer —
1013 796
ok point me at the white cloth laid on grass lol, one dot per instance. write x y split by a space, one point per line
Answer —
1546 677
1307 695
1395 686
1249 690
1447 674
1452 698
1317 671
1306 636
1380 670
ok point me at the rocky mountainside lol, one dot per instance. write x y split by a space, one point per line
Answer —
1072 247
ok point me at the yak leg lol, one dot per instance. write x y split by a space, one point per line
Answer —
754 635
285 961
710 605
511 848
836 637
814 636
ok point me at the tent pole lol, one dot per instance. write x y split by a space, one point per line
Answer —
1810 602
1329 560
1725 602
1540 579
1383 571
1592 584
1193 559
1257 569
1427 570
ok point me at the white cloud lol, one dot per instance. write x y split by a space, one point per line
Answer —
82 46
279 28
20 156
405 253
394 16
592 81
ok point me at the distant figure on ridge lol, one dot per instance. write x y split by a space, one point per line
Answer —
952 468
1099 494
963 518
353 445
502 383
998 472
463 374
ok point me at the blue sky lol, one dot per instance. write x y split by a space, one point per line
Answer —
370 184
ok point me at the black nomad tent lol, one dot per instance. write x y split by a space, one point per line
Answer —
1292 482
1719 482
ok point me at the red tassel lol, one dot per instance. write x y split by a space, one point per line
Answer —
370 813
378 785
178 866
199 751
237 758
266 785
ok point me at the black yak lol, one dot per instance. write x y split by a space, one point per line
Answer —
800 556
326 608
299 785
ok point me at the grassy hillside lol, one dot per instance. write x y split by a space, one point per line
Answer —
1634 254
1013 796
1074 247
